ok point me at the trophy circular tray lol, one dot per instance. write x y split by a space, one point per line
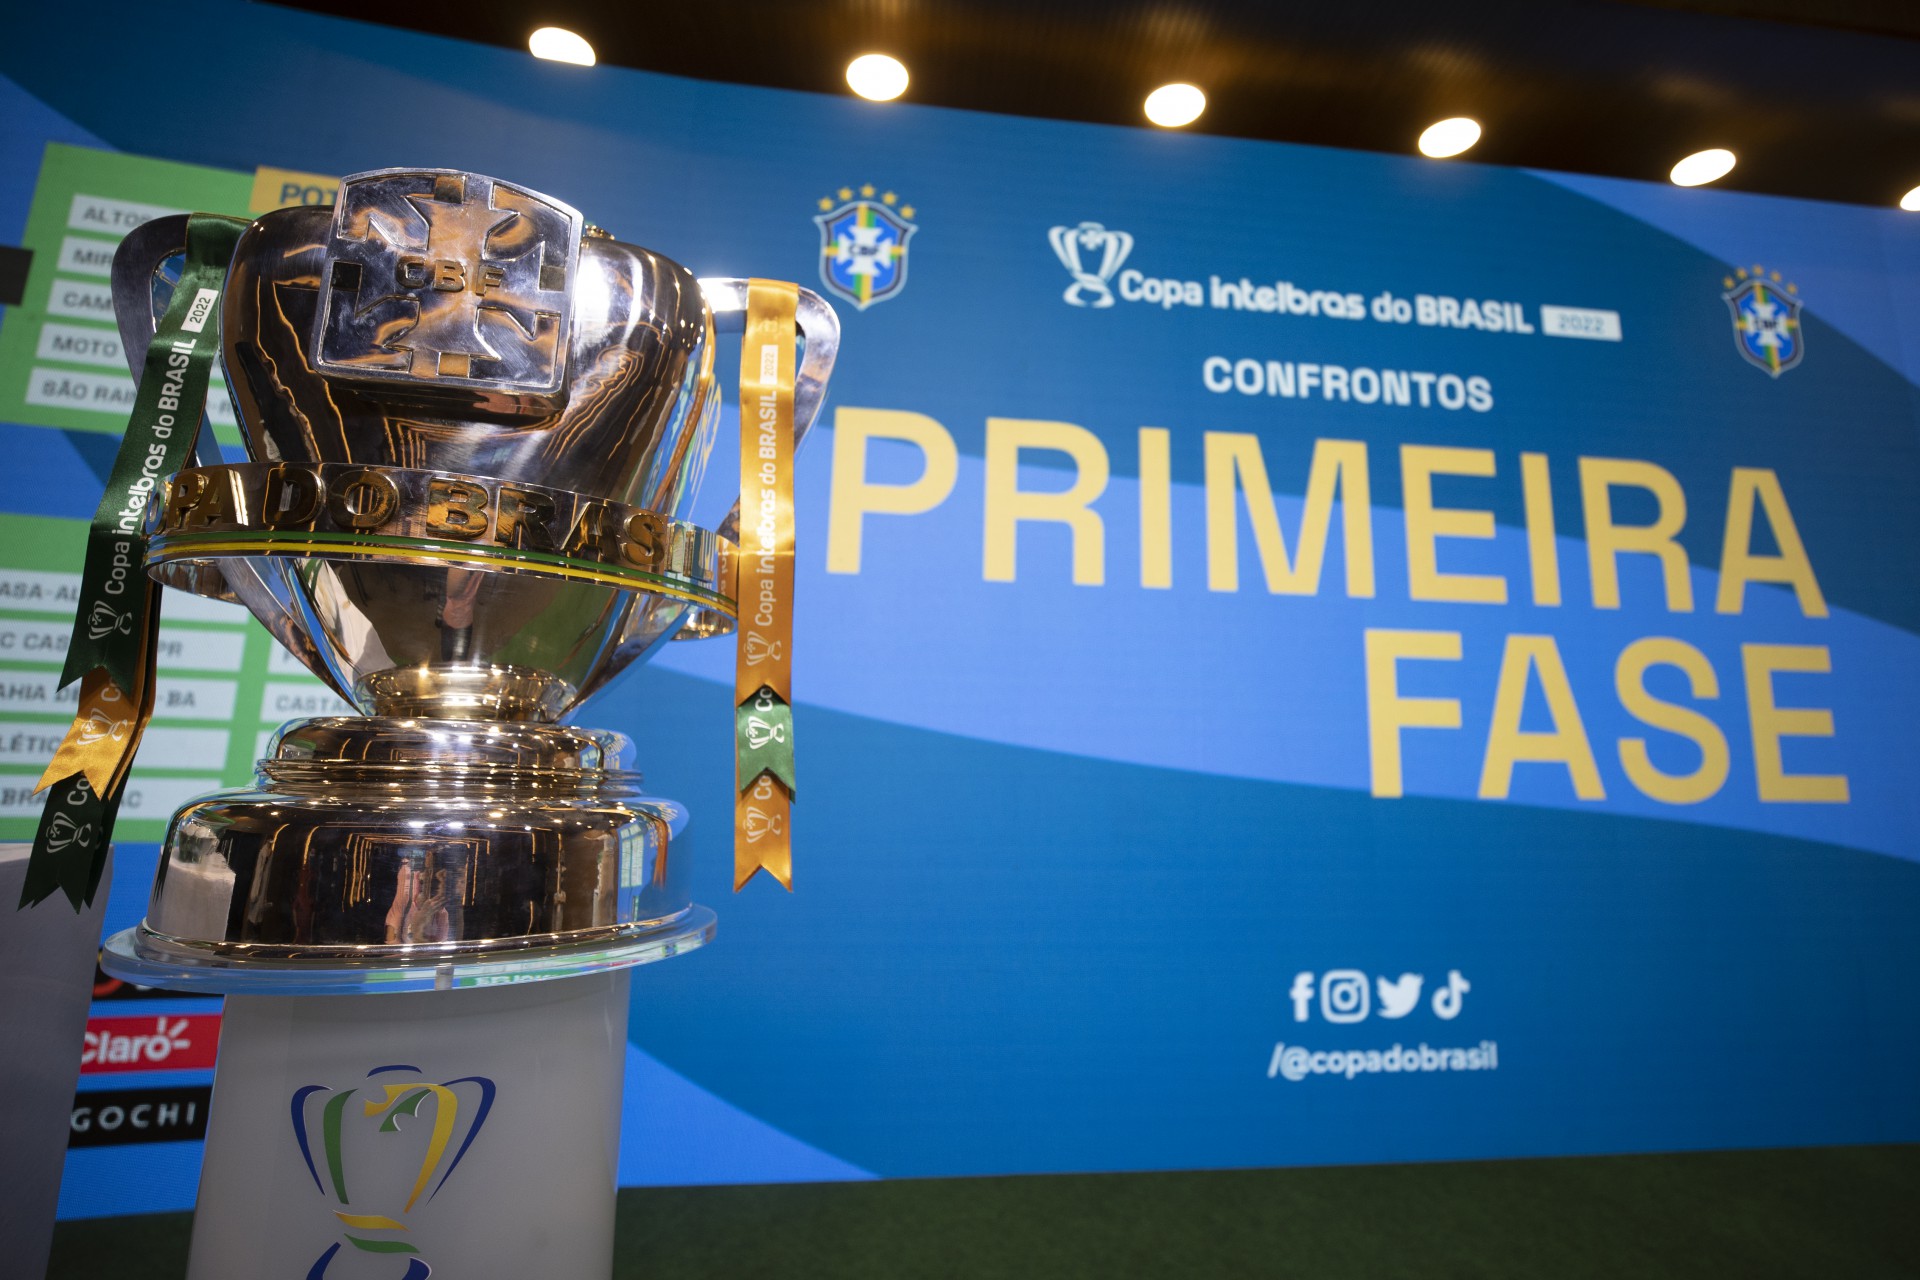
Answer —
146 958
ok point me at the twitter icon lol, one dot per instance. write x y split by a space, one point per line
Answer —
1398 998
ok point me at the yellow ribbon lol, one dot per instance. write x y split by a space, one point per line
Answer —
105 734
762 811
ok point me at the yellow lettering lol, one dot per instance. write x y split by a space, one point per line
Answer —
1388 713
1426 524
1008 504
1335 463
1739 565
1156 507
1772 722
1629 680
1607 540
1543 551
854 498
1565 744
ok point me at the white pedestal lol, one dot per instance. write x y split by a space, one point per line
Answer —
46 966
469 1134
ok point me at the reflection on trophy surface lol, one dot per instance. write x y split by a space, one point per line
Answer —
475 425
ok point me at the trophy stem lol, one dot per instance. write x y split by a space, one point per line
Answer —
470 1133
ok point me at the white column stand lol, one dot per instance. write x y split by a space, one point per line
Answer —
467 1134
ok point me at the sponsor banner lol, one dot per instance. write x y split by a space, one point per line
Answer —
166 1042
127 1117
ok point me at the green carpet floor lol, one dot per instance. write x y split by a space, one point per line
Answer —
1844 1212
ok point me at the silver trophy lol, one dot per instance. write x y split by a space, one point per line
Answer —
475 426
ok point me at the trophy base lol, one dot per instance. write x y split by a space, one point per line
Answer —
389 854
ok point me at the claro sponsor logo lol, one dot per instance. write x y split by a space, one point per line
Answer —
119 1117
166 1043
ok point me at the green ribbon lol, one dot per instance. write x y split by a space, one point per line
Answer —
763 740
70 851
119 608
159 440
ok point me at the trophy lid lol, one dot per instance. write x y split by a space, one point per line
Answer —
439 279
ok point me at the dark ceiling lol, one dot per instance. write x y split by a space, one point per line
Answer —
1819 98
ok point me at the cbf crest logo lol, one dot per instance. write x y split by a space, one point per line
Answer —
863 244
1766 319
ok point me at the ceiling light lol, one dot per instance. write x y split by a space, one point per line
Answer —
1703 167
877 77
557 44
1449 137
1911 201
1173 105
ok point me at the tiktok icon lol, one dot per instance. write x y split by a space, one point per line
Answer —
1446 1001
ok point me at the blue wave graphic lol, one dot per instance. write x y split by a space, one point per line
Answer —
1003 960
1273 688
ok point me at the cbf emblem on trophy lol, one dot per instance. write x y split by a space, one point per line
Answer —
465 282
365 1154
1766 319
863 244
1092 254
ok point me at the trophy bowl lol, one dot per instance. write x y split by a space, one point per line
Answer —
475 425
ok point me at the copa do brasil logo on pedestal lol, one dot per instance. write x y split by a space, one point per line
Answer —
456 1112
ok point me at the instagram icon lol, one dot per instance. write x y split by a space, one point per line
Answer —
1344 995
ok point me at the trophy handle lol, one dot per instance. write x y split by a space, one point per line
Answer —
137 264
141 291
138 304
819 327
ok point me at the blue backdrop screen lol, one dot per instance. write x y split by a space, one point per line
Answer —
1303 657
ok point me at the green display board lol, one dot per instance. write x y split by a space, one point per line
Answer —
60 358
224 683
